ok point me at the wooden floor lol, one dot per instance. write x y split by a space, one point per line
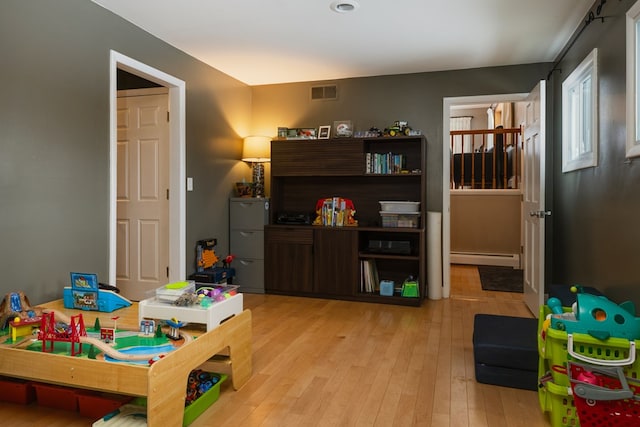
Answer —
335 363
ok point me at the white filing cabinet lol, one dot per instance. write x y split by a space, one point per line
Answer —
247 218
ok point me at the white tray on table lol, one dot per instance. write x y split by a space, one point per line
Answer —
211 316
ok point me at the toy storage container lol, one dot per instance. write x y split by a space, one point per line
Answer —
96 405
58 397
397 220
401 207
558 348
558 402
195 409
172 291
16 391
560 352
604 396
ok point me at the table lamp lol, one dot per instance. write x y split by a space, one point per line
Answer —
257 151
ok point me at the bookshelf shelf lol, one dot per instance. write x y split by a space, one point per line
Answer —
324 261
389 256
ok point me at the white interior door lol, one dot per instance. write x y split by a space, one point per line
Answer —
142 239
533 209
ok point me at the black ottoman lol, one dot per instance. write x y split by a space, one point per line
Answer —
505 350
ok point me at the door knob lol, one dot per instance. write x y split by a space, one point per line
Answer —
540 214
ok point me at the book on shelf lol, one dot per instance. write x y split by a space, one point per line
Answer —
369 281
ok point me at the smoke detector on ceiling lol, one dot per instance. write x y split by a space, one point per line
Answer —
344 6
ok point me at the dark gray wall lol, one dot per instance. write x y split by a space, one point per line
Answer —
54 140
378 101
596 237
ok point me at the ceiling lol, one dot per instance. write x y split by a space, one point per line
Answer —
282 41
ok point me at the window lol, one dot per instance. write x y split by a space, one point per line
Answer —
580 116
633 79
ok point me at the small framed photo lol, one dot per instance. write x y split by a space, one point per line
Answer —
307 133
324 132
343 129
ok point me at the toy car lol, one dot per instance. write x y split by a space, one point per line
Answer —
398 128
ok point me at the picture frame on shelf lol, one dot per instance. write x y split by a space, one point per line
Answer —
342 129
307 133
301 133
324 132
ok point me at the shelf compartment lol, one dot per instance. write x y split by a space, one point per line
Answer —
369 255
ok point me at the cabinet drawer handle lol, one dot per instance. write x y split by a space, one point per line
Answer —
245 262
246 233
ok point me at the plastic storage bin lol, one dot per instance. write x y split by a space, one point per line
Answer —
96 405
558 402
558 348
387 287
172 291
397 220
16 391
58 397
195 409
401 207
604 397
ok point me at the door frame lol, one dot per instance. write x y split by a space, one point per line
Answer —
447 103
177 160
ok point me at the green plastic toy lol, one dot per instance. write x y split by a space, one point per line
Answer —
410 288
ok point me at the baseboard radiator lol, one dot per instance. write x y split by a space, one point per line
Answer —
504 260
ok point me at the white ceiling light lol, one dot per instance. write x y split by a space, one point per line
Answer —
344 6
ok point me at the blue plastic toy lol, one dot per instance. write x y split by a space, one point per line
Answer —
85 294
597 316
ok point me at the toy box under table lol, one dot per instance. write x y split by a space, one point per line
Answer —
212 316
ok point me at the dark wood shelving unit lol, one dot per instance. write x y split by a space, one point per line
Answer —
311 260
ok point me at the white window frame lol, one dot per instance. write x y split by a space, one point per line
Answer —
580 116
633 80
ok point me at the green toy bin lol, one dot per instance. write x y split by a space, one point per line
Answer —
195 409
558 348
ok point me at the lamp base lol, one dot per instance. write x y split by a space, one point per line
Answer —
258 179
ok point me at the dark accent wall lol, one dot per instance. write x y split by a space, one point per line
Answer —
54 140
596 211
379 101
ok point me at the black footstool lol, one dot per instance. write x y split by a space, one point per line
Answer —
505 351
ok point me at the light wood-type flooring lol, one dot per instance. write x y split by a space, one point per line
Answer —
323 362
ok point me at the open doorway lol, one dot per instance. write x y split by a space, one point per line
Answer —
533 210
461 107
177 162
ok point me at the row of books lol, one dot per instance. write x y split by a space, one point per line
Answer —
385 163
369 280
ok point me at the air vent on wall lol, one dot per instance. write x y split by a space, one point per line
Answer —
329 92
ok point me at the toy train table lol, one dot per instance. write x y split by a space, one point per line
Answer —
162 381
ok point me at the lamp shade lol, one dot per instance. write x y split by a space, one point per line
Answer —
256 149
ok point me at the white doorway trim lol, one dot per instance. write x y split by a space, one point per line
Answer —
177 161
447 103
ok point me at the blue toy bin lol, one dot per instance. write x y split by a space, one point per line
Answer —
386 287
